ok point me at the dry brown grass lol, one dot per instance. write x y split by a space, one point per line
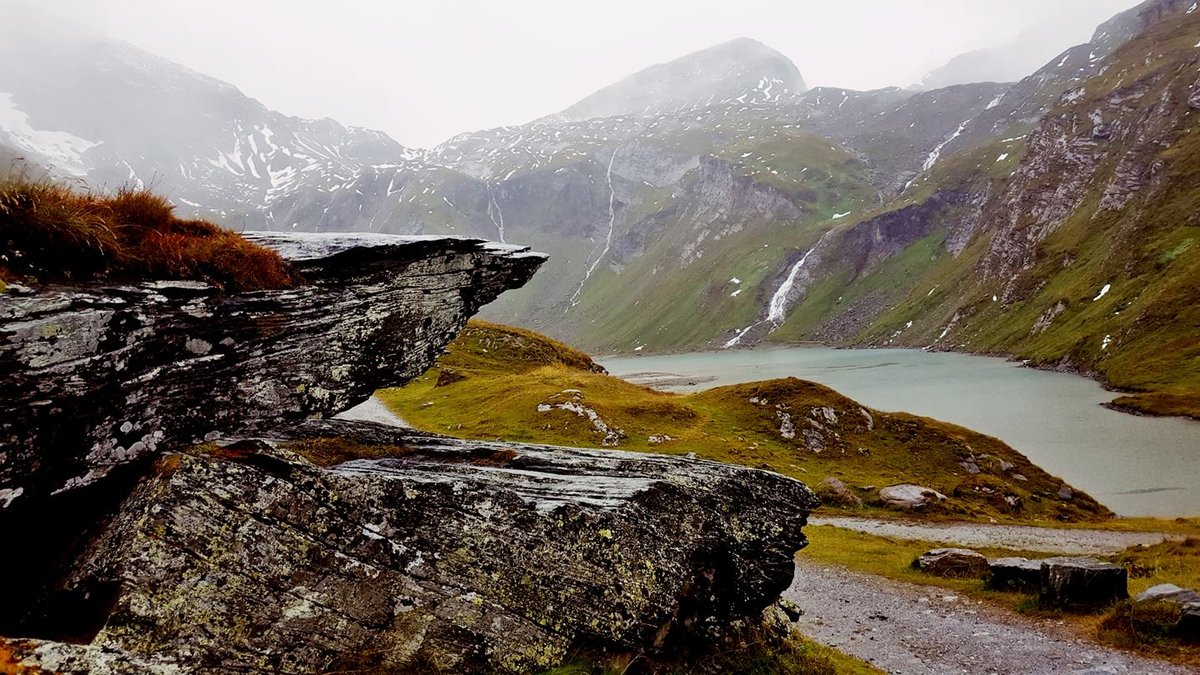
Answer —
51 233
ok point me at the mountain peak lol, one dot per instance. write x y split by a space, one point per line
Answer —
742 70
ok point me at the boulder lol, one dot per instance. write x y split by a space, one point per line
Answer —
1188 602
112 375
465 556
1081 582
1017 574
834 492
1169 593
908 496
954 563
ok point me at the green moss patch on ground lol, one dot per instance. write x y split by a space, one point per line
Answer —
500 383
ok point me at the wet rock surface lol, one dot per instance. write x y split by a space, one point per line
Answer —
1021 574
454 554
109 375
182 516
1082 582
954 563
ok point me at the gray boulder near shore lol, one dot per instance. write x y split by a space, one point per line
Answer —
186 505
907 496
1062 581
954 563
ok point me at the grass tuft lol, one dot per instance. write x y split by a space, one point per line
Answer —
53 233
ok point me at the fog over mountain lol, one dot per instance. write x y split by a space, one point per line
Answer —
423 72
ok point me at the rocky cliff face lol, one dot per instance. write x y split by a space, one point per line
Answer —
107 375
1070 244
177 514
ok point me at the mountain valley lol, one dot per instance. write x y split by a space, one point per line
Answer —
715 201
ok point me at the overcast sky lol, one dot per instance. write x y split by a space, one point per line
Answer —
424 71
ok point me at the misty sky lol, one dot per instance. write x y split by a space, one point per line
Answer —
424 71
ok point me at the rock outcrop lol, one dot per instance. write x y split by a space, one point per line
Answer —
108 375
1082 582
907 496
954 563
1017 574
460 555
1185 600
183 507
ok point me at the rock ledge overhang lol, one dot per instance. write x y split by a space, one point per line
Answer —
98 376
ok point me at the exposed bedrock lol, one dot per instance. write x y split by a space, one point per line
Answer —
95 377
457 555
180 505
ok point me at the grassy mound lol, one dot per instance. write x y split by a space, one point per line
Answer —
500 383
52 233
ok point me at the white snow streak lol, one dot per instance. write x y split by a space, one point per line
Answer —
1103 292
777 310
495 213
937 151
64 150
612 219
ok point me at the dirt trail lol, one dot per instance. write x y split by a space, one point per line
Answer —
909 628
1020 537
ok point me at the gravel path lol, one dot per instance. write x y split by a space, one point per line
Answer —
1020 537
372 410
909 628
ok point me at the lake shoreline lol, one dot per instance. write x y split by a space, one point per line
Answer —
1062 367
1056 416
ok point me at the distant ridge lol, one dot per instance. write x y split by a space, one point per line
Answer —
742 70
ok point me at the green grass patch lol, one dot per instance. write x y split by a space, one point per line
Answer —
499 383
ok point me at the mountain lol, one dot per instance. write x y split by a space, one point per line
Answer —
741 71
981 65
1070 245
112 114
759 211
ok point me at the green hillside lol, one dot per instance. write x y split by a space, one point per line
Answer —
503 383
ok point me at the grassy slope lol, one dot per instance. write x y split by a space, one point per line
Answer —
499 376
1146 251
658 302
1171 562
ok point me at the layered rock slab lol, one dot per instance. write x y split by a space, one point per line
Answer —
94 377
451 554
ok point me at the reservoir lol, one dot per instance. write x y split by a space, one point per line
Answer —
1136 466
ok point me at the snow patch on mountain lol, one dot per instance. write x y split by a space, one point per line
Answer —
62 151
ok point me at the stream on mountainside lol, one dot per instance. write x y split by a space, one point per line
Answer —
1136 466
